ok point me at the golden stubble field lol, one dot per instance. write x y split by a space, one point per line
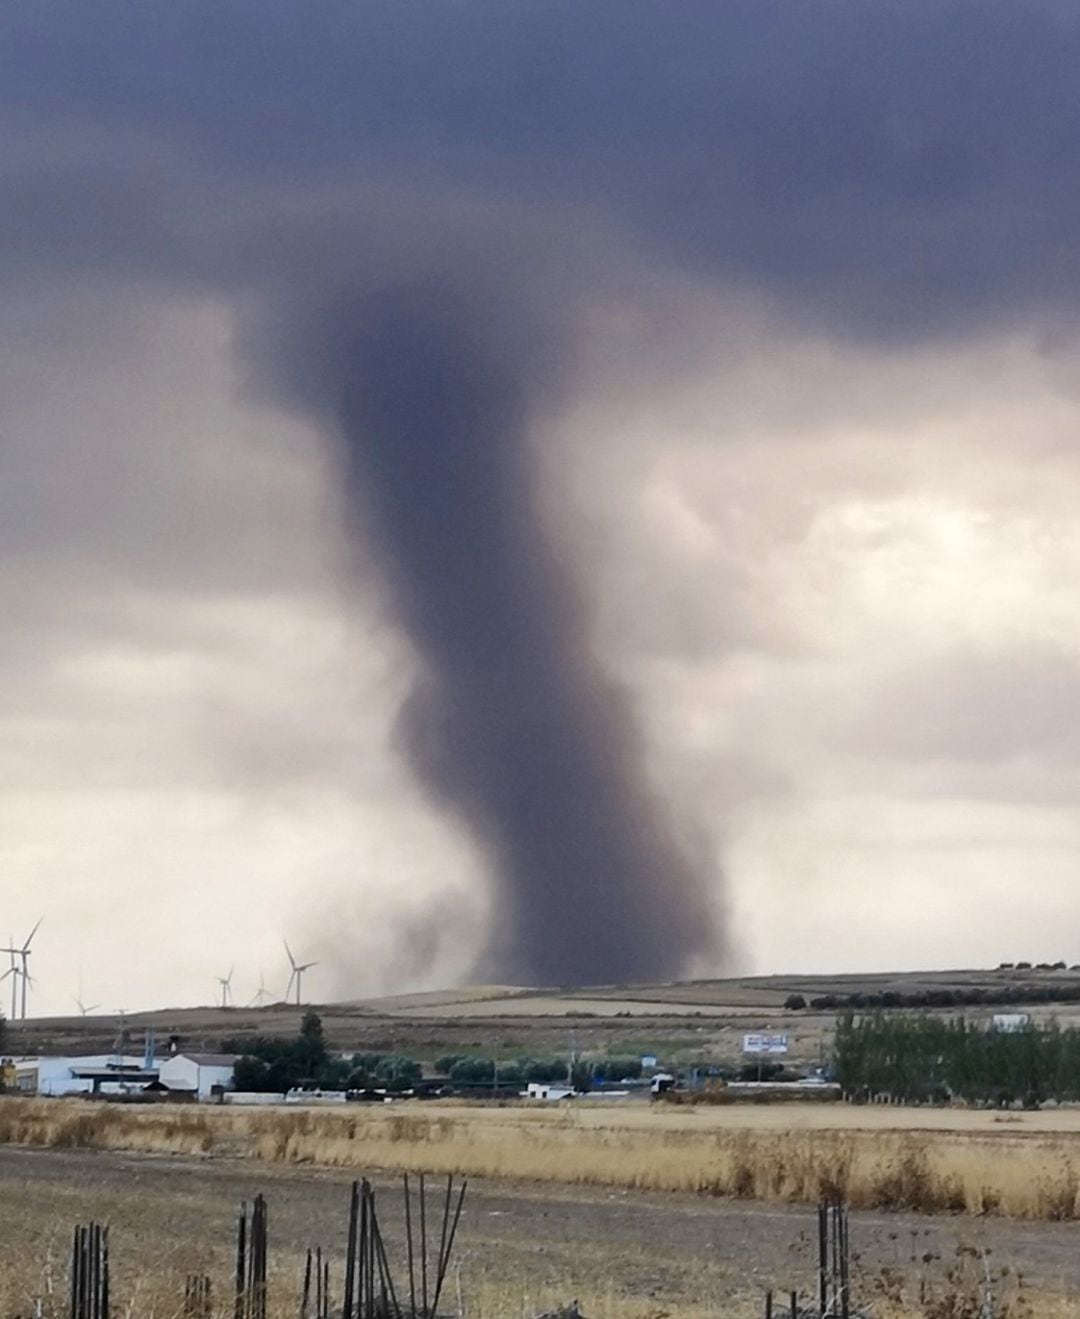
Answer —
931 1160
638 1210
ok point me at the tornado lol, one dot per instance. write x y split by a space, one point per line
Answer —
512 726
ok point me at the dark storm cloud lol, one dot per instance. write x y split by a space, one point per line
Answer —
893 170
898 165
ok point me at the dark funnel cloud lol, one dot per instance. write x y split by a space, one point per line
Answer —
512 724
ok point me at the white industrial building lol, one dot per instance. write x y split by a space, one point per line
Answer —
93 1074
206 1075
546 1090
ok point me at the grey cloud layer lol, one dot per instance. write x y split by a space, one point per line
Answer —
893 172
897 167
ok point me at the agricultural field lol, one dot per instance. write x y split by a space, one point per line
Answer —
688 1022
634 1209
1015 1165
523 1247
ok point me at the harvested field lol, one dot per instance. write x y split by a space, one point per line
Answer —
689 1021
928 1160
523 1246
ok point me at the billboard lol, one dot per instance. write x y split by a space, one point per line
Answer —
1011 1022
764 1044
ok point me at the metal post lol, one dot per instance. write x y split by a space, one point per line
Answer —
423 1248
823 1260
350 1255
241 1260
409 1249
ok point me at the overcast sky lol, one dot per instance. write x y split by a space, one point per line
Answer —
807 446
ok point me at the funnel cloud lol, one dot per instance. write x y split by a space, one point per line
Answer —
512 725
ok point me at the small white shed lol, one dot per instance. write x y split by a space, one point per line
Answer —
207 1074
544 1090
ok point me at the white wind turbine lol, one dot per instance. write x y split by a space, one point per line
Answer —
226 987
20 971
296 973
13 972
262 994
84 1009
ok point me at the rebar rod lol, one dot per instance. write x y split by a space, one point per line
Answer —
823 1244
423 1249
350 1253
409 1249
385 1274
241 1262
444 1262
305 1293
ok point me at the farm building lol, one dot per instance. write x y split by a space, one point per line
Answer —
95 1074
544 1090
205 1075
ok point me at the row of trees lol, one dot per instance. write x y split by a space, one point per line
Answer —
277 1065
585 1074
1006 996
930 1058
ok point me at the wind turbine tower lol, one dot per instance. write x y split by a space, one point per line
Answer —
226 988
20 971
84 1008
13 972
262 994
296 973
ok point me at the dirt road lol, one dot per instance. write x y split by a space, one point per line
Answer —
532 1245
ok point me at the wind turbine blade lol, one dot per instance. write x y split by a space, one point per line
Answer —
30 936
292 959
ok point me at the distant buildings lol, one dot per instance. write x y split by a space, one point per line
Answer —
191 1076
94 1074
544 1090
205 1075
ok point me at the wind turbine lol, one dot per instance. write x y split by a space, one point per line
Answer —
226 987
298 969
22 972
261 994
13 971
83 1009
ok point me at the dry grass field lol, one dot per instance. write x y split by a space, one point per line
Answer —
640 1211
1025 1166
522 1247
